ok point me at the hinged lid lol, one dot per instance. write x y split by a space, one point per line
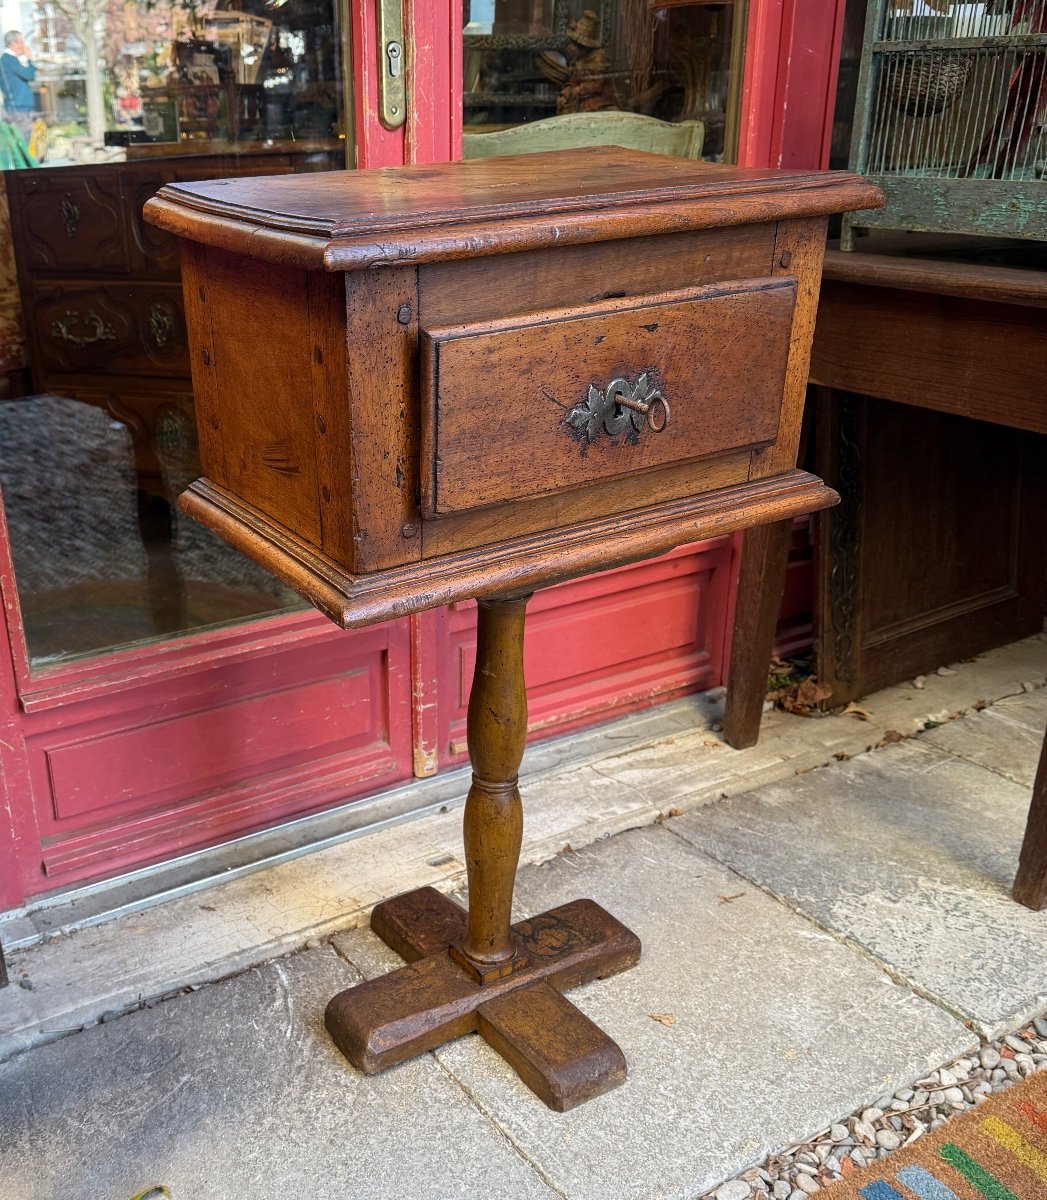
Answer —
342 220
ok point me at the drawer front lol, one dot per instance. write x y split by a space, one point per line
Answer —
72 221
126 329
534 405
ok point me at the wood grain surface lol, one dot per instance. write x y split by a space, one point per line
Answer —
453 293
945 352
515 564
427 213
496 395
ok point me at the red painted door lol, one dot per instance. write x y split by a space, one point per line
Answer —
158 695
155 701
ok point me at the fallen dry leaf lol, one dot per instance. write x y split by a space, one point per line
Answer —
890 737
728 899
663 817
663 1018
856 710
841 756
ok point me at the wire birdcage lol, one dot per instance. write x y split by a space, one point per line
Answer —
951 119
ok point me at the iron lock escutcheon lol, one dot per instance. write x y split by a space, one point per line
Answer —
621 407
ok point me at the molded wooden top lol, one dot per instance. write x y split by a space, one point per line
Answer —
343 220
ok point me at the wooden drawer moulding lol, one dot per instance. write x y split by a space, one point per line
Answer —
420 421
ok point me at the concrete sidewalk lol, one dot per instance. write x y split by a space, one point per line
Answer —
818 942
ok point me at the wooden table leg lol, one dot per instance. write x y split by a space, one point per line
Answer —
474 970
1030 884
761 581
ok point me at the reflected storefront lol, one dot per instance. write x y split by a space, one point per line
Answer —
132 96
159 693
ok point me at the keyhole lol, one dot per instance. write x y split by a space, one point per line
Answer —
394 52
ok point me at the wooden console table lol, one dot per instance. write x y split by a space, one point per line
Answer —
948 326
475 379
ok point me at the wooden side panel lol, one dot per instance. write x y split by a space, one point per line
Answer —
329 376
938 549
498 394
382 370
171 767
257 362
210 428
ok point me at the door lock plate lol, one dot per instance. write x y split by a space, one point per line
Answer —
392 73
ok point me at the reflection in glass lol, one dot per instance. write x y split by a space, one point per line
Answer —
170 75
102 557
129 95
529 60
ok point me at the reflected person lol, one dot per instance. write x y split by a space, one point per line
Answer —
16 74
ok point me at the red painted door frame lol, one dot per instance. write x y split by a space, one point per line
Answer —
792 59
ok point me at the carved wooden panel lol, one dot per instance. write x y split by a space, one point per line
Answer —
913 574
71 220
111 328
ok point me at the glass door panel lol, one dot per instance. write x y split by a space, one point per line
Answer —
97 430
529 60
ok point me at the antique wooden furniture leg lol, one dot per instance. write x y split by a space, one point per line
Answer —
473 970
1030 884
761 579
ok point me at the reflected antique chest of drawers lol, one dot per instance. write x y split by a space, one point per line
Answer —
430 383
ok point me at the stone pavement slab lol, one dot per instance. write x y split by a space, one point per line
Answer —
1006 738
909 853
776 1028
236 1093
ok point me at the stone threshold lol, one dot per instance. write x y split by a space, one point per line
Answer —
87 956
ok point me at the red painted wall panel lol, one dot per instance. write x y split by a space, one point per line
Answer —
789 84
171 760
604 645
176 766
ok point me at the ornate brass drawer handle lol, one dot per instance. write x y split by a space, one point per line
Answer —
98 329
161 325
622 407
70 212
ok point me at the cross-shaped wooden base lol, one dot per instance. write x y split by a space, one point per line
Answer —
472 970
557 1051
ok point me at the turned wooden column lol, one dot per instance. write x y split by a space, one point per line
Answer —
493 823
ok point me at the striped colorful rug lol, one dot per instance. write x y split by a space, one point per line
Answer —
997 1151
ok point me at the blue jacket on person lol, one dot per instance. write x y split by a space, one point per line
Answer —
14 83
